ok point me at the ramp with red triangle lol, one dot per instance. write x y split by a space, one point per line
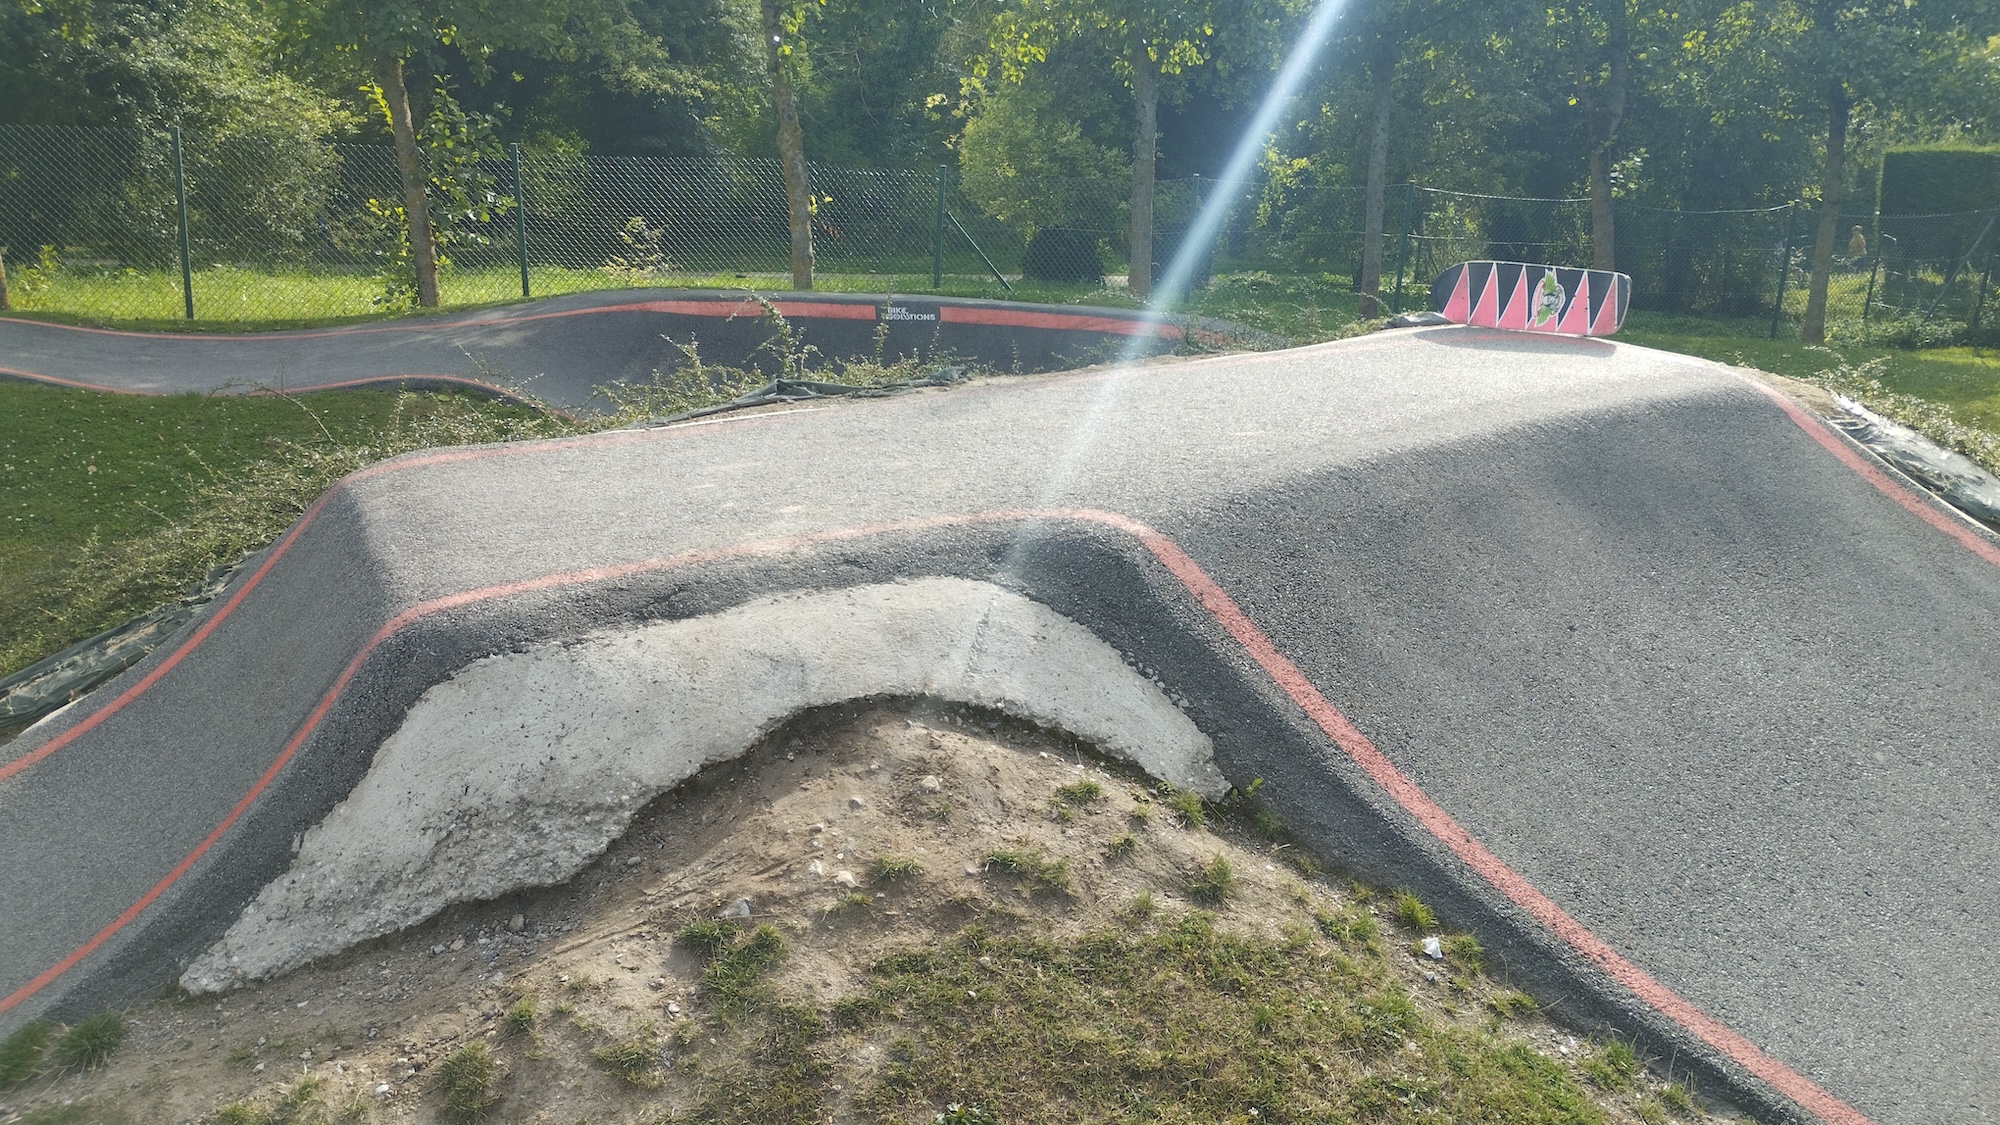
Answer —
1533 298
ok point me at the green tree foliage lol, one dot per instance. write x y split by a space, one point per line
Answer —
1041 103
1044 152
1841 56
1140 42
205 65
377 39
679 79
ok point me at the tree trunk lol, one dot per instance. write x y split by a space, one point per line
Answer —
1382 68
1812 329
1603 233
1145 145
1604 124
5 301
409 166
791 148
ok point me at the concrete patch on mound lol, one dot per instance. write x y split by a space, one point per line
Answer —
522 768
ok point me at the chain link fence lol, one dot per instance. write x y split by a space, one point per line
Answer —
290 230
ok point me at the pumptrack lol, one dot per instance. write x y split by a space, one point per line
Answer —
1677 699
559 351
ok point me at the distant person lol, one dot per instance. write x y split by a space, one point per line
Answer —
1857 245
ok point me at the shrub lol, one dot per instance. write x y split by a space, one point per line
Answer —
1059 254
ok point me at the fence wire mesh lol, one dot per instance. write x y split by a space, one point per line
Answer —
293 230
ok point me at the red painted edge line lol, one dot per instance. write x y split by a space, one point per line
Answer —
1888 486
1217 602
37 377
180 653
1469 850
1073 322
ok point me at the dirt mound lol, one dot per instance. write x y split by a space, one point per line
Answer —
878 913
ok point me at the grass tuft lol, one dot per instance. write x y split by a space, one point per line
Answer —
1212 882
301 1104
894 869
733 981
21 1054
1034 867
1612 1067
1465 952
1414 914
1079 794
1349 926
707 938
89 1044
1122 846
1188 807
520 1016
636 1060
465 1079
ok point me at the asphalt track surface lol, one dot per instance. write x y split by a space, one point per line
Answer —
561 350
1670 693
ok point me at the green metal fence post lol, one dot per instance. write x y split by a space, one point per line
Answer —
1978 304
520 219
1874 266
937 236
1784 267
1409 222
181 204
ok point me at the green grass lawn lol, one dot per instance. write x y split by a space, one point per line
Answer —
228 299
1964 380
111 504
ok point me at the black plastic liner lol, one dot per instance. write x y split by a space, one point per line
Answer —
43 687
1958 479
